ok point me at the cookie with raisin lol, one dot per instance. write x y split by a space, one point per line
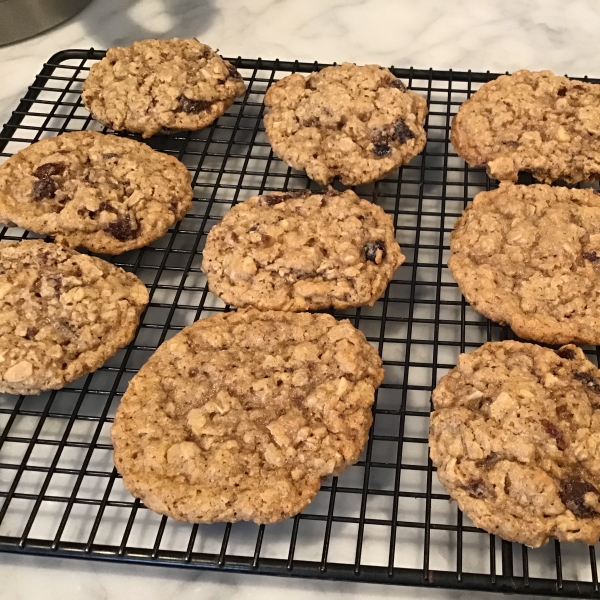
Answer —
161 86
357 123
106 193
241 415
514 435
302 251
529 257
63 314
532 121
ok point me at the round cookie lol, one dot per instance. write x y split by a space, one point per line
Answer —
241 415
515 436
103 192
160 86
62 314
301 251
531 121
529 256
355 123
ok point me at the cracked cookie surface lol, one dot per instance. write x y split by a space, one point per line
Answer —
160 86
515 437
354 122
529 256
241 415
62 314
532 121
302 251
102 192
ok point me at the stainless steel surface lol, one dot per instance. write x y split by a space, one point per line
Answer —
20 19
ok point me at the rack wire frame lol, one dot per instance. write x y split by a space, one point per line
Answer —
384 520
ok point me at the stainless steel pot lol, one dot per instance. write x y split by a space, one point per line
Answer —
21 19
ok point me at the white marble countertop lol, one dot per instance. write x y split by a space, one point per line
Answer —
463 34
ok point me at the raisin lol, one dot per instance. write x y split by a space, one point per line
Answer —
266 240
56 282
44 188
235 238
565 352
297 194
398 84
312 122
489 461
591 383
233 72
563 413
122 229
375 251
402 132
572 496
553 431
273 199
562 91
477 488
381 149
591 256
31 333
193 107
107 207
48 170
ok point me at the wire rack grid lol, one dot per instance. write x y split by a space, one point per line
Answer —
386 519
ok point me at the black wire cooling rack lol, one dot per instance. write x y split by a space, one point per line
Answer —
386 519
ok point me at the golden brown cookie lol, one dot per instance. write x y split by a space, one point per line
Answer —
529 256
302 251
102 192
159 86
241 415
62 314
532 121
356 123
515 437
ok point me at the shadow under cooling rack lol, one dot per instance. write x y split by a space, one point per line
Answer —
386 519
